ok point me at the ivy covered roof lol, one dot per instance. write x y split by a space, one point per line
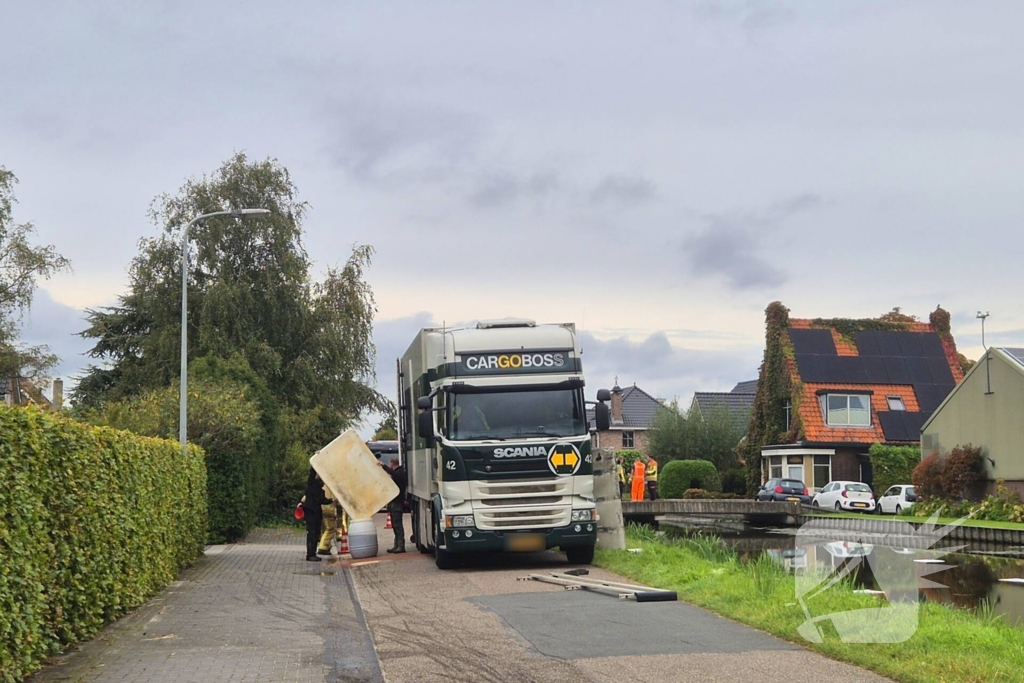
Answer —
914 361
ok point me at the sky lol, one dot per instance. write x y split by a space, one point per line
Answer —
656 172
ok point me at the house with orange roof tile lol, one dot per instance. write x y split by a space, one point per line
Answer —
830 388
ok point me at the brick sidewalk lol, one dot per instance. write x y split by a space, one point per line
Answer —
251 611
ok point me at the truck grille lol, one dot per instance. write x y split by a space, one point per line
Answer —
522 504
531 519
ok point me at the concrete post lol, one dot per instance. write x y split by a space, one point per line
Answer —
611 532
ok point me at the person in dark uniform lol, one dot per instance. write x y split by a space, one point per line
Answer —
397 506
312 505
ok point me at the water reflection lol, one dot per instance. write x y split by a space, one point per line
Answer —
969 580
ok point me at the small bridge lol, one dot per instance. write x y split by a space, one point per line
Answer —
757 514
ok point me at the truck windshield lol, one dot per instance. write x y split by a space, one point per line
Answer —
517 414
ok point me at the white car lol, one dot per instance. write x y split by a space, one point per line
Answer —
897 498
845 495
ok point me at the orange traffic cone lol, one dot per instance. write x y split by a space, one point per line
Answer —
343 547
388 526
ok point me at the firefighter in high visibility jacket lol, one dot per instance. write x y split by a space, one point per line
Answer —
652 478
639 469
620 472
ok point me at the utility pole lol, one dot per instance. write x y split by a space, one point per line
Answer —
988 357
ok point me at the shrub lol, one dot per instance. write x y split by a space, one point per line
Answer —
225 423
95 521
629 456
927 478
961 469
893 464
678 476
734 480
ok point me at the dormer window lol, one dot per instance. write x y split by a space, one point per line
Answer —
895 403
846 410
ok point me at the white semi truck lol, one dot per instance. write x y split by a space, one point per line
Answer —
493 430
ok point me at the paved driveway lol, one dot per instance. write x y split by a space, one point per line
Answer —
256 611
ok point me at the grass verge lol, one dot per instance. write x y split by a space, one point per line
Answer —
950 644
984 523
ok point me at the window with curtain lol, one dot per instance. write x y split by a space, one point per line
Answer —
847 410
775 467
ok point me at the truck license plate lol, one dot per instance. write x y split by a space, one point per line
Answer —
524 543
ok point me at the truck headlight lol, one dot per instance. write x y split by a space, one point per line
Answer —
582 515
459 521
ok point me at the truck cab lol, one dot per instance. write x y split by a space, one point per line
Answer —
493 427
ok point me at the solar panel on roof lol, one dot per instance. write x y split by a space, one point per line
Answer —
931 346
818 342
894 425
929 396
919 371
809 369
867 344
888 345
941 374
874 370
914 422
896 368
852 369
910 343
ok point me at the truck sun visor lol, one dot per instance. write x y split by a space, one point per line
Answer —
461 388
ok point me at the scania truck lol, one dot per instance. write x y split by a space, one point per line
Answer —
493 430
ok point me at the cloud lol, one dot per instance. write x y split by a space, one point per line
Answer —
503 189
731 244
376 141
623 190
57 326
662 369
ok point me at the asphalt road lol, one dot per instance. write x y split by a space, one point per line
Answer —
481 623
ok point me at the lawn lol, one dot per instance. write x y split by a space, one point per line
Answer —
949 644
984 523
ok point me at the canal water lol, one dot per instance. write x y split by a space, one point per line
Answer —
972 579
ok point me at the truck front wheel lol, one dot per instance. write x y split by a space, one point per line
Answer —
442 558
581 554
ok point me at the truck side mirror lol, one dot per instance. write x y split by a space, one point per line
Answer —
604 395
601 415
426 426
423 403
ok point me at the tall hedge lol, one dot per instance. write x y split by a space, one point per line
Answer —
225 423
95 521
678 476
893 465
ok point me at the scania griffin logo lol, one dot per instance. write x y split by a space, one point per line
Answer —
514 361
564 459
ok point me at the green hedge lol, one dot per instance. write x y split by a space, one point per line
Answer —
225 423
892 465
95 521
678 476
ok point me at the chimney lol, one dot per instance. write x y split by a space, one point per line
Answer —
58 394
616 405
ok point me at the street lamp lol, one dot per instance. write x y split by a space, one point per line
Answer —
183 414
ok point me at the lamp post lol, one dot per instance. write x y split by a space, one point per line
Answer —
183 414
